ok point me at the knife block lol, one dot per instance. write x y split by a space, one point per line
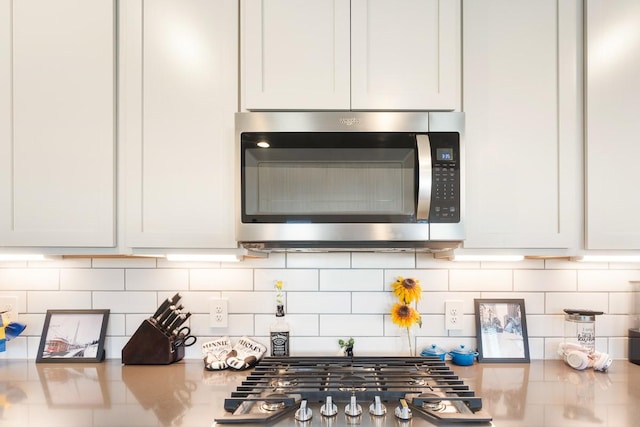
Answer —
149 345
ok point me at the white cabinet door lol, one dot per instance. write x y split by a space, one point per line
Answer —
57 123
613 125
295 54
350 54
521 99
405 54
179 80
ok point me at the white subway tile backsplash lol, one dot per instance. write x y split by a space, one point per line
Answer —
351 325
612 325
292 279
126 302
372 302
252 302
539 325
45 279
92 279
329 296
544 280
299 324
40 302
383 260
351 280
556 302
624 303
319 260
142 279
480 280
318 302
220 279
116 325
607 280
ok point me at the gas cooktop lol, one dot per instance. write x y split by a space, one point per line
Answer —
336 391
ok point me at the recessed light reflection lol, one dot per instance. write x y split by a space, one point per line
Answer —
263 144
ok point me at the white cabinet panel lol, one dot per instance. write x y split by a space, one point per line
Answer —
179 96
521 98
295 54
612 105
350 54
58 123
405 54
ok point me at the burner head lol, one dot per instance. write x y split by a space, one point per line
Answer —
280 383
434 405
275 402
352 383
414 381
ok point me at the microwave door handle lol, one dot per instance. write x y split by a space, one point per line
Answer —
424 177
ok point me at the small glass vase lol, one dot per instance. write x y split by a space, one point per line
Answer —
407 340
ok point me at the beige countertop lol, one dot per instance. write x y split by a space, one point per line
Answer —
541 393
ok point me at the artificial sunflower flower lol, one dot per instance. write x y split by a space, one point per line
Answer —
407 290
405 316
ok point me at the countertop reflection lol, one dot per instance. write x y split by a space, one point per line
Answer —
542 393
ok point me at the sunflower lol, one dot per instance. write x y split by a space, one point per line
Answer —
407 290
405 316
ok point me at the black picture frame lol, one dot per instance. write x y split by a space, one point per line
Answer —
73 336
501 329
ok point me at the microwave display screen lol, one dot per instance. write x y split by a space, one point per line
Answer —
444 154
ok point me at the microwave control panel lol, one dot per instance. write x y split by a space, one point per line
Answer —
445 191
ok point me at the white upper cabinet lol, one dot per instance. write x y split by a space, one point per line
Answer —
179 80
57 123
522 86
350 54
405 55
295 54
613 125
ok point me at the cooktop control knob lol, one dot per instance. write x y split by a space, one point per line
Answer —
303 413
377 408
353 409
329 409
403 411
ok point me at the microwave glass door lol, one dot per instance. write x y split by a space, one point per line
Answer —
328 177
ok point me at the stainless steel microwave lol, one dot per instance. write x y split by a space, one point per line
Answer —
350 180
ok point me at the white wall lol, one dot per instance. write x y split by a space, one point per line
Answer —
329 296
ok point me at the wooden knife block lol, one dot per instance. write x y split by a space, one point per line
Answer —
149 345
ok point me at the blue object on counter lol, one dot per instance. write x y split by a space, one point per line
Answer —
463 357
435 351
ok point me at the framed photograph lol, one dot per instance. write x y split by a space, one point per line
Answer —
73 336
501 327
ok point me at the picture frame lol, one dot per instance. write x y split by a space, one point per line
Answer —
501 329
73 336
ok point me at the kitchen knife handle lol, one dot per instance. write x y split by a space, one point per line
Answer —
162 308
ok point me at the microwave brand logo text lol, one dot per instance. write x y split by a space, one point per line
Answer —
349 121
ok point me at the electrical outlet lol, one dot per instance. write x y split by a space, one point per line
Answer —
219 312
9 308
453 312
